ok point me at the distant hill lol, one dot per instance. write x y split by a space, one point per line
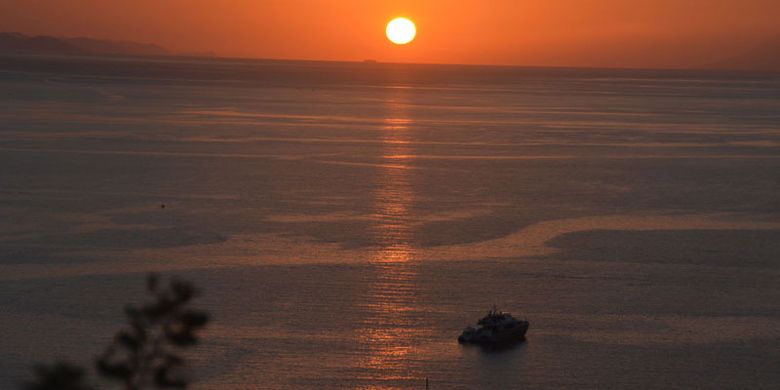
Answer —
23 44
765 56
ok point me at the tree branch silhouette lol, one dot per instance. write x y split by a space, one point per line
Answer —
146 354
58 376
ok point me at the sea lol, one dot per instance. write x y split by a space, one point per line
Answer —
343 222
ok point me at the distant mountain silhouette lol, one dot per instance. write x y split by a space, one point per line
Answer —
23 44
765 56
19 43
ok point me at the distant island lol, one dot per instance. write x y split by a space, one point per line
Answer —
16 43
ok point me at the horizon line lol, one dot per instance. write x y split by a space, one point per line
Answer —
369 62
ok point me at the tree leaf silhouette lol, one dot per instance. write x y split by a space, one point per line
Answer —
58 376
145 354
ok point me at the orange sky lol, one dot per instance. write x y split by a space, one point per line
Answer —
524 32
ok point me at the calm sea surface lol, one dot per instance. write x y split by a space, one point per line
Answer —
346 221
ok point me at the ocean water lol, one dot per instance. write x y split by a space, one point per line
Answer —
346 221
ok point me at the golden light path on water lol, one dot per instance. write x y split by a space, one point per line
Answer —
389 330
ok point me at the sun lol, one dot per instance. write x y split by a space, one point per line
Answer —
401 31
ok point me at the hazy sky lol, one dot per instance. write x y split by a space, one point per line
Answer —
527 32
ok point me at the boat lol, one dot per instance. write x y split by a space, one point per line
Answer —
496 327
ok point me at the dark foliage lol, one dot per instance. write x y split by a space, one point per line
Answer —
59 376
146 354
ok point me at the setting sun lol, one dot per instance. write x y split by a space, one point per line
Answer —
401 31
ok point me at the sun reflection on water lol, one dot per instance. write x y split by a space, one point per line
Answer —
391 330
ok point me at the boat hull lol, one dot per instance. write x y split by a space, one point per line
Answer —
504 336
